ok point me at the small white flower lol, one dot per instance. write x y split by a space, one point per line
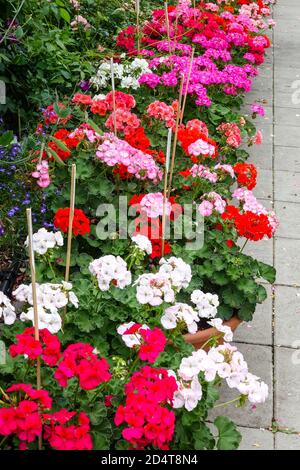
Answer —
43 240
226 330
51 321
110 270
143 243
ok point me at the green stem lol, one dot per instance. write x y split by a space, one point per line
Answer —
242 249
3 440
76 393
210 339
228 402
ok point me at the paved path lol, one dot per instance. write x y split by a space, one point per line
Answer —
271 344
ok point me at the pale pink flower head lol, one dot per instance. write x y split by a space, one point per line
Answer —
205 208
153 204
258 138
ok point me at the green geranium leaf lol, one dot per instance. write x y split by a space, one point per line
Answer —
229 438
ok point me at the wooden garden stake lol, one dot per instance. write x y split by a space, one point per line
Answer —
34 301
34 296
187 84
71 217
175 136
167 166
41 152
168 26
137 11
113 93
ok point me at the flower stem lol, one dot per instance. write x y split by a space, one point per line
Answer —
242 249
228 402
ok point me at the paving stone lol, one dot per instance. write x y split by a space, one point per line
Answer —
289 216
287 261
262 157
287 116
261 250
286 158
284 99
287 316
287 186
287 388
264 187
259 330
259 359
287 441
287 135
256 439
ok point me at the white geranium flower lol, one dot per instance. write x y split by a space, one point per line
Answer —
179 272
51 321
7 310
143 243
226 330
43 240
110 270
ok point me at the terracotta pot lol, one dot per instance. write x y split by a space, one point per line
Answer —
202 336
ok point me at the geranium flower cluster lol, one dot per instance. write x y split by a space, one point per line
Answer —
150 208
143 243
126 75
248 224
7 310
149 342
211 202
47 347
110 270
196 143
179 272
80 225
42 174
63 433
44 240
26 416
116 152
22 418
223 361
50 299
161 111
206 303
246 174
232 133
180 314
154 289
79 360
251 204
149 420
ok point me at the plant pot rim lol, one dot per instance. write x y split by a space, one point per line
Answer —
202 336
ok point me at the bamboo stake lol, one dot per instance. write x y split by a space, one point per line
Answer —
34 301
175 136
71 217
168 26
167 166
187 84
41 152
137 10
113 93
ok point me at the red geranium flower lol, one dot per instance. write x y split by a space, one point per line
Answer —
246 174
81 224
